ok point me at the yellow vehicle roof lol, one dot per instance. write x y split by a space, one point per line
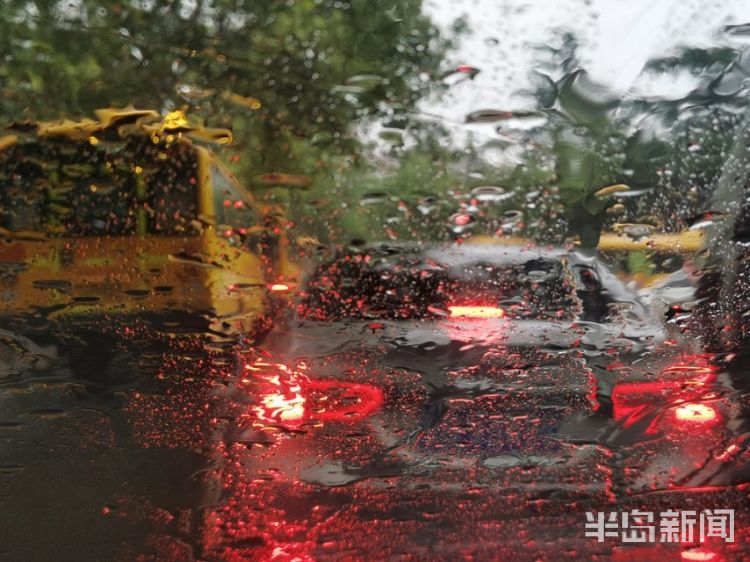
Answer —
124 121
481 239
688 241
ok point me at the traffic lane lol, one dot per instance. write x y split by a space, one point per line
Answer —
490 437
94 462
487 435
314 493
384 520
517 402
183 426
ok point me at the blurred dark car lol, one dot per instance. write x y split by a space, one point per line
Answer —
471 389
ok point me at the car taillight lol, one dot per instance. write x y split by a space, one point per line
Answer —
476 312
695 412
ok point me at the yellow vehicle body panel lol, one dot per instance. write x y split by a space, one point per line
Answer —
133 275
481 239
125 274
202 273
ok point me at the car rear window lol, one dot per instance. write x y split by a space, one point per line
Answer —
365 286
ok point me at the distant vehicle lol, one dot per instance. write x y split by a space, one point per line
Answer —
516 281
129 214
656 255
651 260
428 304
471 320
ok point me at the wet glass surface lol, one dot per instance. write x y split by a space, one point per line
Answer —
322 280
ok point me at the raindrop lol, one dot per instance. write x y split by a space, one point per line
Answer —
493 115
137 293
740 29
490 194
634 231
348 89
427 204
461 219
706 219
57 284
392 135
374 198
365 80
178 67
460 222
322 137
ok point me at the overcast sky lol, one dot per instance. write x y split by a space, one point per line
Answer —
617 38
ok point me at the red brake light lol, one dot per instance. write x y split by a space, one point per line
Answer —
695 412
476 312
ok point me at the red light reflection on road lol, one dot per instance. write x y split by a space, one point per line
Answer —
282 407
355 401
290 398
682 381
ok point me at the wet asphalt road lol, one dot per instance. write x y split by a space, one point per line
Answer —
361 440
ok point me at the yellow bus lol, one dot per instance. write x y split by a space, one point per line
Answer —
128 214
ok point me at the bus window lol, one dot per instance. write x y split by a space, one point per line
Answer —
234 215
85 196
100 206
21 211
68 188
63 188
172 190
22 193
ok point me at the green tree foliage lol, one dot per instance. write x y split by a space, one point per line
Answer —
292 79
314 66
670 152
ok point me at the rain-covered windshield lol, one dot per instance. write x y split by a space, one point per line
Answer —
391 280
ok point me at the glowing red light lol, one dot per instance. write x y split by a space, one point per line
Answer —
630 400
729 453
685 380
290 398
476 312
695 413
351 401
462 220
282 407
698 555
